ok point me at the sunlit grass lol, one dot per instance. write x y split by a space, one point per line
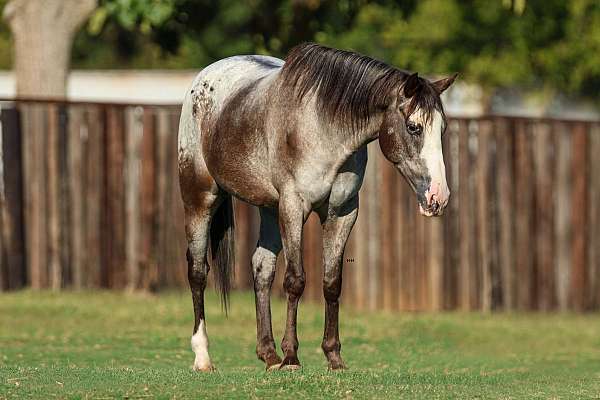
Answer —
107 345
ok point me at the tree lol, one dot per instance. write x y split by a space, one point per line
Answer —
550 45
43 32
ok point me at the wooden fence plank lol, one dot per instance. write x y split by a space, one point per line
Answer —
77 222
13 269
115 195
420 266
562 219
451 222
483 213
524 252
35 141
373 206
544 209
95 206
593 241
407 248
504 186
386 244
162 195
64 198
53 199
148 240
361 259
436 264
133 139
465 219
177 243
579 208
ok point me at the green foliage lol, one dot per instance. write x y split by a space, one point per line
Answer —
536 44
5 41
131 14
113 345
547 45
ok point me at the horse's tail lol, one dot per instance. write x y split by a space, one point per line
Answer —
222 249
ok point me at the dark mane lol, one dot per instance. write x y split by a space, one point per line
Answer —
349 86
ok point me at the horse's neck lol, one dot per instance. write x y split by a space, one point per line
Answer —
353 139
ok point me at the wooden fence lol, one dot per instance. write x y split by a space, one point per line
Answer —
90 198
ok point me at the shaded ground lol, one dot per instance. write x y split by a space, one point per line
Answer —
107 345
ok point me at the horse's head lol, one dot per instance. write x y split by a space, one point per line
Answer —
411 138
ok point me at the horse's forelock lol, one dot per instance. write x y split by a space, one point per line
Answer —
428 101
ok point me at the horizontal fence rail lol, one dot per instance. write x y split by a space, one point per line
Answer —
89 198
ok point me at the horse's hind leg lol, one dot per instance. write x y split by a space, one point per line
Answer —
201 198
197 230
263 268
337 225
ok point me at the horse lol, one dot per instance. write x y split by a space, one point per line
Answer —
290 137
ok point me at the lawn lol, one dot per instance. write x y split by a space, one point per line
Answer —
105 345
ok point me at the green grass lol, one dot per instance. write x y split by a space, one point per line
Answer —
107 345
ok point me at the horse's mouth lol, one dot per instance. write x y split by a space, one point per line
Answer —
432 210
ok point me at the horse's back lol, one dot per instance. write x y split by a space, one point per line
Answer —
219 81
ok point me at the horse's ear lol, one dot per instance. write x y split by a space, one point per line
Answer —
412 85
445 83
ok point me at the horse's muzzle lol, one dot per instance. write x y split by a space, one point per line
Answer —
436 199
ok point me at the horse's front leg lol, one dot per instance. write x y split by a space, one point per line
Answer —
337 225
292 214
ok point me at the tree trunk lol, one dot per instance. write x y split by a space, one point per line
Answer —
43 32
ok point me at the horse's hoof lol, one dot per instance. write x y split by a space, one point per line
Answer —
204 368
274 367
290 363
335 362
272 361
336 366
289 367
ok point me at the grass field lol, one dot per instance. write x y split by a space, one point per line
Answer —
104 345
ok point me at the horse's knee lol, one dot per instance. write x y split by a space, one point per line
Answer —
294 283
332 287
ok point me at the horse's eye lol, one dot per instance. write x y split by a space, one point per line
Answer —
414 129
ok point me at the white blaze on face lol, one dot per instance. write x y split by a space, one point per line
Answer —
200 348
432 154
